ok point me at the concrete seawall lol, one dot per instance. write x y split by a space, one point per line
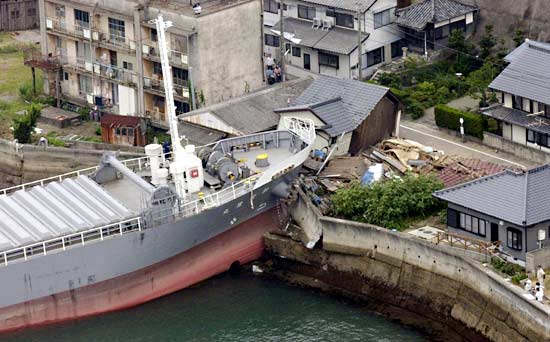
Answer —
21 163
438 284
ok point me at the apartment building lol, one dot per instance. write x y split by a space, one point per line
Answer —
109 57
323 35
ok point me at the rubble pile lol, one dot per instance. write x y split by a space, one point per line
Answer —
392 158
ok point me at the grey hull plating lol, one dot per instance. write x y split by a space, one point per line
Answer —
79 266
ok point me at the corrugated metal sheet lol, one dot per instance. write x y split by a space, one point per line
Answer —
56 209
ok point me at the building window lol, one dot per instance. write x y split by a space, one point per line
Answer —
517 102
441 32
375 57
82 18
15 14
157 68
66 76
540 139
396 49
457 25
127 65
117 30
545 108
382 18
179 76
31 12
328 60
181 107
306 12
130 132
154 36
271 40
158 101
60 11
340 19
296 51
514 239
472 224
271 6
287 47
84 84
117 131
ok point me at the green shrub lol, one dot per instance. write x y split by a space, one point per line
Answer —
448 117
392 203
10 48
84 112
415 109
389 80
97 130
23 125
518 278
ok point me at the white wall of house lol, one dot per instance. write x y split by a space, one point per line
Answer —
519 134
212 121
322 141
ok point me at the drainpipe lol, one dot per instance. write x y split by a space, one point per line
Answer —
139 58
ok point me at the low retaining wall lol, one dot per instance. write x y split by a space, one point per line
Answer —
434 281
88 145
20 163
526 152
537 257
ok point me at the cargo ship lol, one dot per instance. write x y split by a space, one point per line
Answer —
128 231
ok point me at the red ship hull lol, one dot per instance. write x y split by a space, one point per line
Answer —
243 243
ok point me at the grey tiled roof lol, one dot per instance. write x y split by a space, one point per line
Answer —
522 198
528 73
337 40
253 112
417 15
343 104
518 117
350 5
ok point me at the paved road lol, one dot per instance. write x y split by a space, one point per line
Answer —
439 140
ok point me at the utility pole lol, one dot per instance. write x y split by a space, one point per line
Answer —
359 45
282 40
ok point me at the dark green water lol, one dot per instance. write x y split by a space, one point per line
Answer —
231 308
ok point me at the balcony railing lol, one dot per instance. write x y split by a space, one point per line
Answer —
150 51
156 84
70 29
107 72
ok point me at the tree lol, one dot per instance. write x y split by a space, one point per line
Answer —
457 41
391 203
479 80
519 37
24 125
487 43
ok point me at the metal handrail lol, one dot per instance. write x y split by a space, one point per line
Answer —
73 239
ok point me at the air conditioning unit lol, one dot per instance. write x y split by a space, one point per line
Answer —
316 23
49 24
90 98
132 45
88 66
147 82
328 23
87 33
97 68
145 49
184 59
95 35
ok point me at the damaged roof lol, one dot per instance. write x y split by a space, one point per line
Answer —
421 13
342 104
522 198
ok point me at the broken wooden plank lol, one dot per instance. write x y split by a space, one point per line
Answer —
391 161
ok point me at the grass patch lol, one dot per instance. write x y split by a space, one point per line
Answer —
14 75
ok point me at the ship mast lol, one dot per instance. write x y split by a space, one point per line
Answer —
180 161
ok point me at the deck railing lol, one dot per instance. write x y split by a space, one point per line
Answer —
61 243
139 164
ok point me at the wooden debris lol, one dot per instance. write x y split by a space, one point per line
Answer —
391 161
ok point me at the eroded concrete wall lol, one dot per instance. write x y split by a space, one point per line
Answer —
441 284
25 163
